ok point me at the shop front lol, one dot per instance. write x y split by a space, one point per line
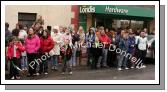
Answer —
111 16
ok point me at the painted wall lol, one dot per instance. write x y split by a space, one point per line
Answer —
52 15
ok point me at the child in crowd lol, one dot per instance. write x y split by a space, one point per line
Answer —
15 48
66 52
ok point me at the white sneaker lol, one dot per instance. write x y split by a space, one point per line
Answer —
18 77
46 73
37 74
132 67
126 68
119 69
12 78
137 67
144 66
70 73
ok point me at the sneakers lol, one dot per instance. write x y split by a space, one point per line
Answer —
12 78
137 67
126 68
37 74
70 73
119 69
18 77
132 67
46 73
143 66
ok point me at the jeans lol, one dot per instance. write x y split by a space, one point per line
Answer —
73 57
104 57
43 66
54 61
24 62
122 61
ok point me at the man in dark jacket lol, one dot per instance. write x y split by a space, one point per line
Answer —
8 34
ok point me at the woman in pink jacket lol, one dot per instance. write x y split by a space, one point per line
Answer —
32 44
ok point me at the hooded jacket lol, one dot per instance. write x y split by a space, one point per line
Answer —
47 44
57 41
90 38
19 48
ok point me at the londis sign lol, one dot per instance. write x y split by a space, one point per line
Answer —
102 9
87 9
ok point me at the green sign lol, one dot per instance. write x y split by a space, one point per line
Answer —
118 10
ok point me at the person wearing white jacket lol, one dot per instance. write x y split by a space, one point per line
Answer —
56 36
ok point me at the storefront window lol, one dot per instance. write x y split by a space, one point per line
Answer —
137 24
127 23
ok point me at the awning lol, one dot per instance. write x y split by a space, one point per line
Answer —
118 10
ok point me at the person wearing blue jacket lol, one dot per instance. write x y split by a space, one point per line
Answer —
123 45
131 50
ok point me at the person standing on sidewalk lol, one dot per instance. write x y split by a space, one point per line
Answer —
131 50
123 45
75 48
66 51
22 36
142 47
32 45
105 40
15 48
90 39
81 43
56 36
47 45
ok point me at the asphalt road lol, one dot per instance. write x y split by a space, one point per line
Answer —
85 73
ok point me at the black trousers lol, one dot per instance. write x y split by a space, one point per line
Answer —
111 59
96 52
142 56
13 71
31 63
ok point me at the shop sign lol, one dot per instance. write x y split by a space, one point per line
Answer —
89 9
115 10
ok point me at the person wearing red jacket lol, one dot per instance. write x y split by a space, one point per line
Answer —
47 45
105 40
15 48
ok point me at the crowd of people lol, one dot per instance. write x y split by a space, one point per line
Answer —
66 46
